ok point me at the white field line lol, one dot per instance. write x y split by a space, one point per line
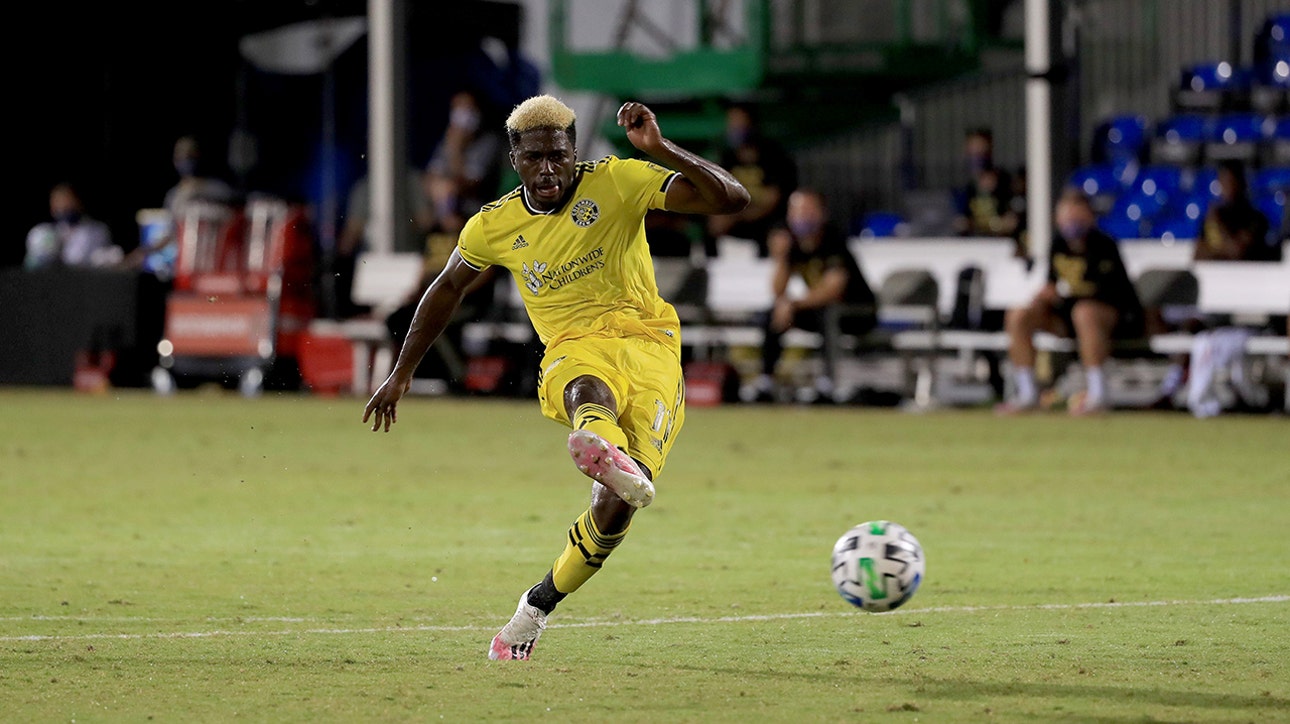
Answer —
1280 598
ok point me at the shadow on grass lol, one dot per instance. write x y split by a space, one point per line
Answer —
959 689
964 689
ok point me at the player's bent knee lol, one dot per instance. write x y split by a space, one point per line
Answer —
1092 314
588 389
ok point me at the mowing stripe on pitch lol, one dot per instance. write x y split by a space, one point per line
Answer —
1280 598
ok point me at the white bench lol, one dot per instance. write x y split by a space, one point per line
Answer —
1254 290
943 258
383 282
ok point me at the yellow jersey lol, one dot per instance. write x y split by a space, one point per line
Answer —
584 269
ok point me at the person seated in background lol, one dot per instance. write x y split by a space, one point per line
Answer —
837 298
156 252
72 238
985 203
1233 230
765 169
465 164
194 184
1088 294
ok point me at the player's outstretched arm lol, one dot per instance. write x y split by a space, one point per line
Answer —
705 187
434 311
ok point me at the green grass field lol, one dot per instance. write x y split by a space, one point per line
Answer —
205 557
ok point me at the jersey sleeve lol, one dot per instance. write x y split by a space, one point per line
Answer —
641 184
472 245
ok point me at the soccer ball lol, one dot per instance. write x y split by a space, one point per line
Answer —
877 565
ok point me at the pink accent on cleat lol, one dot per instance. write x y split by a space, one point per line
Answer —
611 467
502 651
517 638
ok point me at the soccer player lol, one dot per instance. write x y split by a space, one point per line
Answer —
573 237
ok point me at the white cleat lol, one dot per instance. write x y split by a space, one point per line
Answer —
517 638
611 467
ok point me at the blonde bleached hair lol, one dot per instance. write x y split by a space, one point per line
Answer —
540 112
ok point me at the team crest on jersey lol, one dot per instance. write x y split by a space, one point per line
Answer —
585 213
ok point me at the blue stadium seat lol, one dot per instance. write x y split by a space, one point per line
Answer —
882 224
1281 140
1184 216
1179 139
1131 215
1174 226
1126 169
1273 206
1120 137
1274 72
1271 92
1270 180
1213 86
1272 42
1162 182
1095 180
1120 227
1237 136
1099 182
1203 180
1239 127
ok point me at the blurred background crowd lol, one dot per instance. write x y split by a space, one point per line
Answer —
150 135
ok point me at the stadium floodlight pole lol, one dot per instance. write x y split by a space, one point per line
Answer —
385 142
1039 148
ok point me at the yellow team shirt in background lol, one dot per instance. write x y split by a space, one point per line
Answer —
584 269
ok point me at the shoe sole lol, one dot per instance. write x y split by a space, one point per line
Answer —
595 459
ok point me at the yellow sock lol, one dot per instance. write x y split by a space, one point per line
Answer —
598 419
583 555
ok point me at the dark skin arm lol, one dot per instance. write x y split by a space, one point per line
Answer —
435 310
828 291
704 187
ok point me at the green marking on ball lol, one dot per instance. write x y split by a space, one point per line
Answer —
871 579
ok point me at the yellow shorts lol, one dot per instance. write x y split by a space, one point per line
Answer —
645 378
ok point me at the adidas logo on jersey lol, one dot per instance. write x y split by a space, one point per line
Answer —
520 243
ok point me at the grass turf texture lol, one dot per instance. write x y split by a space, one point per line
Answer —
204 557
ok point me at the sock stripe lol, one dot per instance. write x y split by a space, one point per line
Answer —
592 559
591 412
584 554
598 539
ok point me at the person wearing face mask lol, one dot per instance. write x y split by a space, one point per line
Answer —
72 238
810 247
985 203
765 169
193 185
1088 294
463 172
